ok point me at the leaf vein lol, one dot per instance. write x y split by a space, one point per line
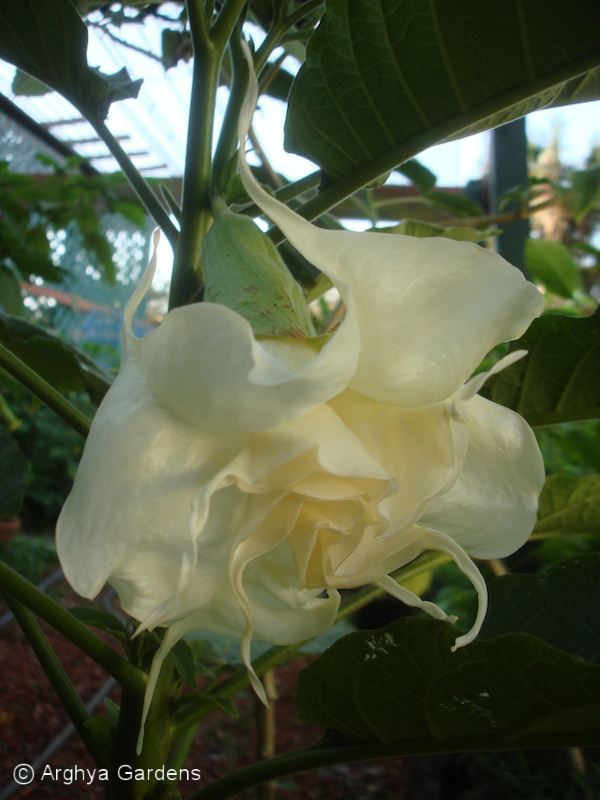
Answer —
446 59
400 72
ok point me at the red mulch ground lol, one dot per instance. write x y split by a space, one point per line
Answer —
30 716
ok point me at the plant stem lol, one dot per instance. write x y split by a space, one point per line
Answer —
485 220
57 677
157 737
44 391
26 593
182 748
196 213
274 178
146 195
227 144
280 27
228 19
287 192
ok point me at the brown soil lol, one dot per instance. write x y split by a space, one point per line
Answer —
31 716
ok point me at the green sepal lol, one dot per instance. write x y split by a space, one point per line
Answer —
244 271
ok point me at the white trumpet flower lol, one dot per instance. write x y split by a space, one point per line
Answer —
234 483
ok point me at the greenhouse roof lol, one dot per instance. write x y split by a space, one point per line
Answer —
156 151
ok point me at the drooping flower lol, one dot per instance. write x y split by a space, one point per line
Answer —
236 485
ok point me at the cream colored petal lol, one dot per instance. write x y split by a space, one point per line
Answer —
204 364
428 310
422 448
132 496
491 509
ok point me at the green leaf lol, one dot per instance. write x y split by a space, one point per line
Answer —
586 191
559 381
551 263
201 699
10 290
419 174
103 620
13 475
244 271
185 662
383 81
415 227
61 365
48 40
560 605
226 704
24 85
515 685
456 203
175 46
571 448
403 683
569 505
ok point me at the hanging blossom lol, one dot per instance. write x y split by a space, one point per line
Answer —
236 485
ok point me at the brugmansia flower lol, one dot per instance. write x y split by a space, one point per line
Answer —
234 484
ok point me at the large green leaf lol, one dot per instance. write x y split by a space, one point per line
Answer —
551 263
384 80
48 40
403 684
559 381
560 605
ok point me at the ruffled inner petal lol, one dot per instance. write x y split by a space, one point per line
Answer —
423 448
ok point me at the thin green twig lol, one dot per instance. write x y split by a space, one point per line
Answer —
227 143
146 195
281 25
61 620
287 192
